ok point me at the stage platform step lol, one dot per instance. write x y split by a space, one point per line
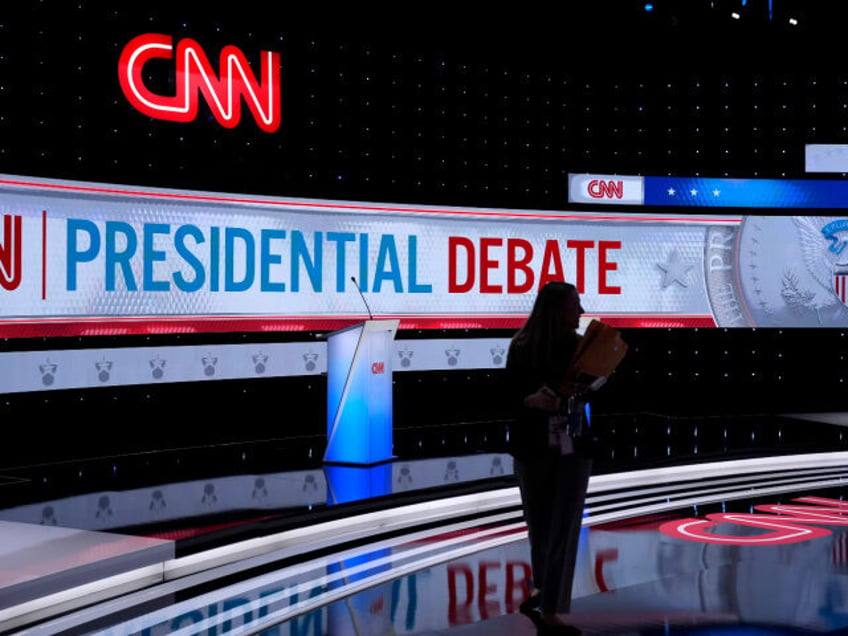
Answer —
43 566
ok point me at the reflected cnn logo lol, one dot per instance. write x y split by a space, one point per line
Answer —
194 77
10 252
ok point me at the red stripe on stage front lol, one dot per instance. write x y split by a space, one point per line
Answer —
117 326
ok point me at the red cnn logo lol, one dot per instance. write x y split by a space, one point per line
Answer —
10 253
194 74
782 523
378 367
601 189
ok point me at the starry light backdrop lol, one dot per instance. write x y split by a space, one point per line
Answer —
496 115
423 107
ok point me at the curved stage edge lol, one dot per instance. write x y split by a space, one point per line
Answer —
749 545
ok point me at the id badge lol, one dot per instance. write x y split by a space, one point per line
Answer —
566 444
556 430
558 436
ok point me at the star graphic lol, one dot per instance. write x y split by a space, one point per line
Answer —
671 192
716 192
693 192
674 271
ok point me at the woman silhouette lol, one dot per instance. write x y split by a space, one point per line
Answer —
552 477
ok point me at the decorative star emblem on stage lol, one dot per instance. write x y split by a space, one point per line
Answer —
674 271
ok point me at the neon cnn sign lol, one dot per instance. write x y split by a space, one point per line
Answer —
194 75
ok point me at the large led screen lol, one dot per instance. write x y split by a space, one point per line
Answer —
86 258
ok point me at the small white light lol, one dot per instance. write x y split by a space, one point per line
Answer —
735 15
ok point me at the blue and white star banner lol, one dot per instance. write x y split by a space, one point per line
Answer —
699 192
747 193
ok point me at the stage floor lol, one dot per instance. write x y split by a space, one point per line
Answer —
745 545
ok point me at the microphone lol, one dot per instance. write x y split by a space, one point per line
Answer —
361 295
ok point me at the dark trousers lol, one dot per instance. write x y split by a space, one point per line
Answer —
553 493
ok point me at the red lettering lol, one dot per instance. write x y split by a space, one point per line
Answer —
487 264
454 243
518 577
194 74
605 266
788 527
599 189
521 276
549 258
580 273
516 264
603 556
378 367
833 513
10 252
488 607
781 531
459 612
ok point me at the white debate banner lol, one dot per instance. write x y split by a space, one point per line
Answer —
77 252
85 259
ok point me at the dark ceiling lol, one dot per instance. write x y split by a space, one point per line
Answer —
422 105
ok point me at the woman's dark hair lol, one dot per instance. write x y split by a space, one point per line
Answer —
545 328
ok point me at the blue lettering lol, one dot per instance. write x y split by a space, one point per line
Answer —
212 612
363 261
411 604
266 259
152 255
387 253
230 604
340 238
231 234
120 258
214 258
263 605
300 253
190 258
313 618
76 255
194 616
412 263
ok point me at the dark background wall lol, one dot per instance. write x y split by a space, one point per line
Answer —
493 109
428 107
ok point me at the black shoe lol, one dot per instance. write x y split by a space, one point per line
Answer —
530 608
545 629
530 604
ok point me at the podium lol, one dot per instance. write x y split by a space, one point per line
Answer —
359 393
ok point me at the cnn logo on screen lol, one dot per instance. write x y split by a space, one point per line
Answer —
586 188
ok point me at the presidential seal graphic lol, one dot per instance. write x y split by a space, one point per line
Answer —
793 270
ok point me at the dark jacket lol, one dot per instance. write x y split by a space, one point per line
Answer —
528 435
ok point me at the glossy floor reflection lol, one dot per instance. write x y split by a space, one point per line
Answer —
774 564
750 543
